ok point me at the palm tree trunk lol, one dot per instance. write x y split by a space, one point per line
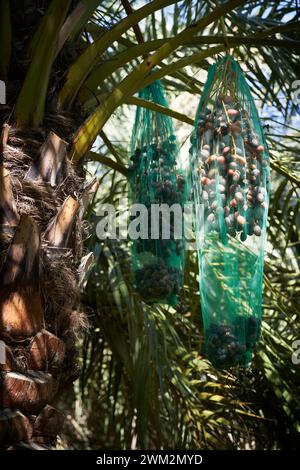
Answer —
42 201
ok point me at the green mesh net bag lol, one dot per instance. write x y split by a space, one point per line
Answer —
155 179
230 178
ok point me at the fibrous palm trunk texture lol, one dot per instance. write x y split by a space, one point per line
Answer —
42 201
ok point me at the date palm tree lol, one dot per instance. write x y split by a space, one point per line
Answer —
68 66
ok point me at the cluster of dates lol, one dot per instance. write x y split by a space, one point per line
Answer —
232 169
158 281
156 181
228 345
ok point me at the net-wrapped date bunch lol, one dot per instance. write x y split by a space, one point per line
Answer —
230 177
155 178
